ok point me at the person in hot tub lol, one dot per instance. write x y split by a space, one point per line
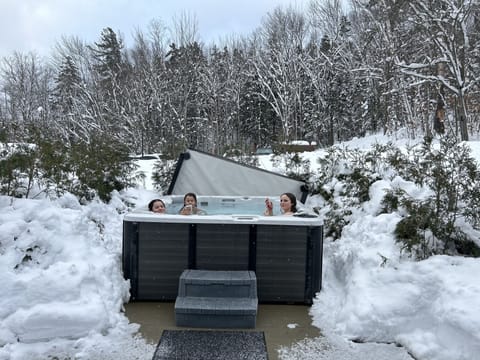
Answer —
288 205
190 205
157 206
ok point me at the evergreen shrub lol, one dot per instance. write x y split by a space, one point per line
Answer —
435 224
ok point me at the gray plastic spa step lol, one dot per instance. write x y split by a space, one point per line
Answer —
212 312
217 299
210 283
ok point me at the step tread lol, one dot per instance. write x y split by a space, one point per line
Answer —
215 305
218 283
218 276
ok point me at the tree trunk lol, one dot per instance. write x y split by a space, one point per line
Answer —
439 119
462 117
331 133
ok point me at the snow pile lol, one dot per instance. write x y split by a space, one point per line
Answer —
63 290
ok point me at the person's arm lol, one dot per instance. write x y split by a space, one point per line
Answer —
268 207
186 210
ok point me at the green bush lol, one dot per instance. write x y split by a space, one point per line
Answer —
85 169
431 224
18 169
102 165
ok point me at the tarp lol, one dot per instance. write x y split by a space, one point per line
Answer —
207 174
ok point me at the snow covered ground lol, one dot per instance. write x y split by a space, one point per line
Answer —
63 291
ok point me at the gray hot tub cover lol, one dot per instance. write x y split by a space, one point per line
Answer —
207 174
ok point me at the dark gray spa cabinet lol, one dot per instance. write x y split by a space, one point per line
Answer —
285 253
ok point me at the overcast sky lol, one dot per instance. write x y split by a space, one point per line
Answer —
35 25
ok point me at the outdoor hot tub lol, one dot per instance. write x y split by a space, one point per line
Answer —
284 251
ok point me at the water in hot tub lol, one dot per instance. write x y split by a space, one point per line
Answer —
226 205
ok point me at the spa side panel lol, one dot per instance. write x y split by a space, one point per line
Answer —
281 263
222 247
287 259
162 255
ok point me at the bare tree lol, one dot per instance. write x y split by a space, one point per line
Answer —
185 29
448 24
330 67
26 84
76 49
278 68
384 40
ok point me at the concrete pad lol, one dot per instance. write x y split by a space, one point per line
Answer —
283 325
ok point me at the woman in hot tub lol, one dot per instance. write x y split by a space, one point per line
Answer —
157 206
288 205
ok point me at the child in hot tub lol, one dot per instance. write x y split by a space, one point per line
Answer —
190 205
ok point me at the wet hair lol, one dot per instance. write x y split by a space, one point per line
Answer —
293 200
150 204
192 195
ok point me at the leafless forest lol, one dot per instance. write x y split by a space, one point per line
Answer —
325 75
